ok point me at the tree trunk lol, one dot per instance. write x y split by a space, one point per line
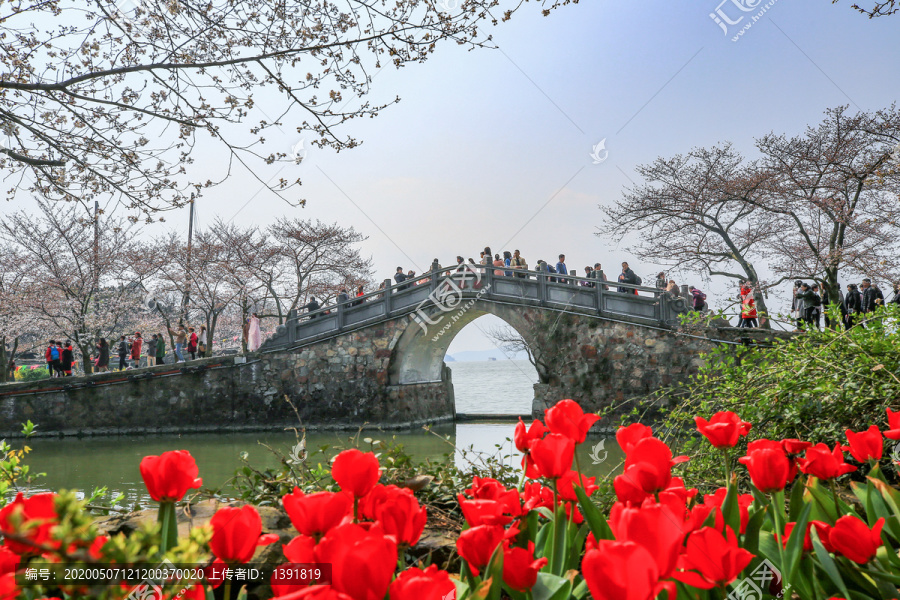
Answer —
4 361
86 363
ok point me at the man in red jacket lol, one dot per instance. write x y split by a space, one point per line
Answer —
49 358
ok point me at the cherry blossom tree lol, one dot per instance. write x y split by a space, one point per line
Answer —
104 98
693 213
77 285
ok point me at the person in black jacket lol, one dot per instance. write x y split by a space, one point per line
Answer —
400 277
627 276
311 306
123 352
895 299
869 296
68 357
852 305
826 301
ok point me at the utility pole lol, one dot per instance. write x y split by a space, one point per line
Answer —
96 246
187 290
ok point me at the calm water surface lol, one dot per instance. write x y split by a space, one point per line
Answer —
501 387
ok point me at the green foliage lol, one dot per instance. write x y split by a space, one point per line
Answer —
14 473
813 386
29 374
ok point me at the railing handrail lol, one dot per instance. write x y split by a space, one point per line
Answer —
394 292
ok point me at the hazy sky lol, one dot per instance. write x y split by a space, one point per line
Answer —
492 147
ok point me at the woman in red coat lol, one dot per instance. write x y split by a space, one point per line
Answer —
136 349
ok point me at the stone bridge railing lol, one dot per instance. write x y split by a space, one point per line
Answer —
446 288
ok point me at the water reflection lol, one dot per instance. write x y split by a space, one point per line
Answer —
83 464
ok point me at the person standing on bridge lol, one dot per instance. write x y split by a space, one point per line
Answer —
628 276
599 275
518 262
68 357
748 306
180 339
160 349
498 262
254 336
122 351
102 355
136 344
312 306
561 267
400 277
151 350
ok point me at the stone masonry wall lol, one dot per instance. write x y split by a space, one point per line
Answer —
606 363
339 383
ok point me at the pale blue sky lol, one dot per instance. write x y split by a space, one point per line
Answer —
492 147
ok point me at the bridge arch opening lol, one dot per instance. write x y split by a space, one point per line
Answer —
420 353
489 377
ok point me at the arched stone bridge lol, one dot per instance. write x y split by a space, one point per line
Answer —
378 360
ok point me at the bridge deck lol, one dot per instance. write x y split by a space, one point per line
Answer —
446 289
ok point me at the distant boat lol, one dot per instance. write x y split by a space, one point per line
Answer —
491 358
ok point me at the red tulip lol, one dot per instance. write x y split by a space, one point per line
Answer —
744 502
567 418
316 592
9 589
793 446
402 518
524 437
236 534
865 445
300 550
553 455
286 578
484 512
824 463
769 468
893 431
648 467
627 437
362 562
477 544
170 475
485 488
656 527
565 485
622 571
724 429
33 517
711 559
852 538
520 569
355 471
416 584
315 514
9 560
821 528
535 495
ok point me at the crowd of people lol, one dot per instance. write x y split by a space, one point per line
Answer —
810 302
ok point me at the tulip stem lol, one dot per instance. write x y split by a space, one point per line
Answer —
553 564
578 468
727 467
355 509
226 591
777 504
168 526
837 506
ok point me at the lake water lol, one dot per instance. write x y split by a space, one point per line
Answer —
499 387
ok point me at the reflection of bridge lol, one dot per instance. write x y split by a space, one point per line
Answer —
378 359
